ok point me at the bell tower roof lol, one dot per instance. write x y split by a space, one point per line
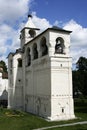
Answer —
29 31
29 23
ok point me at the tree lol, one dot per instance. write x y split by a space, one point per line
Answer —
82 64
80 76
3 64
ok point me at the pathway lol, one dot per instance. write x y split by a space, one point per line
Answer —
56 126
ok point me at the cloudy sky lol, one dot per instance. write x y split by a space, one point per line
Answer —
67 14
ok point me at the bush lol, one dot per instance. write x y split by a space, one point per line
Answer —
3 103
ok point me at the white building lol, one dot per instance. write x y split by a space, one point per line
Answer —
40 75
3 85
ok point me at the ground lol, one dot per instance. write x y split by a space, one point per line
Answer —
18 120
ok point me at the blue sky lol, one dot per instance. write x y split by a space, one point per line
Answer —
68 14
61 10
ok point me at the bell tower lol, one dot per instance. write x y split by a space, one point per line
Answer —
28 32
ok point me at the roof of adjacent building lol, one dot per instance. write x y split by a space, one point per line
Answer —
17 51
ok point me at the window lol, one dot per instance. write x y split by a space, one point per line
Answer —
11 66
28 57
19 80
59 47
19 62
44 48
32 33
22 34
62 110
35 52
11 63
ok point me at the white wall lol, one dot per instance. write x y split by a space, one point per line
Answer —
3 86
15 82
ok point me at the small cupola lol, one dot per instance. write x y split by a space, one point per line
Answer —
29 31
29 23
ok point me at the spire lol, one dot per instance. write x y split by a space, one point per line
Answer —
29 15
29 23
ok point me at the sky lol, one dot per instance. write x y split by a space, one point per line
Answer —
67 14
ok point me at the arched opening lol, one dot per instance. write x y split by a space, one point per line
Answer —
35 51
44 48
28 57
19 62
32 33
59 47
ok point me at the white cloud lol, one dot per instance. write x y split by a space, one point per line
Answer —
12 10
8 39
41 23
56 23
78 39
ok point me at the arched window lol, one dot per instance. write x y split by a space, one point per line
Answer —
32 33
35 51
44 48
19 62
28 57
59 47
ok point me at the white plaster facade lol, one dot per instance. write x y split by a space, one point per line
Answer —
15 89
42 85
3 87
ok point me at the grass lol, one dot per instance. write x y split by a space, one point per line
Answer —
81 114
81 108
17 120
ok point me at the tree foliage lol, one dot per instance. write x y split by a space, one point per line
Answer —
80 76
4 66
82 64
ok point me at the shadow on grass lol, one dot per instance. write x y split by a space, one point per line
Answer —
81 110
81 105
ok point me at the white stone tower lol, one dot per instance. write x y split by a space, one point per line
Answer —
44 81
62 106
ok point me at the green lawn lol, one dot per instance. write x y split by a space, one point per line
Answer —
15 120
81 113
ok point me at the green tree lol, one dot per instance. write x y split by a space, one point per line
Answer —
3 64
82 64
80 76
